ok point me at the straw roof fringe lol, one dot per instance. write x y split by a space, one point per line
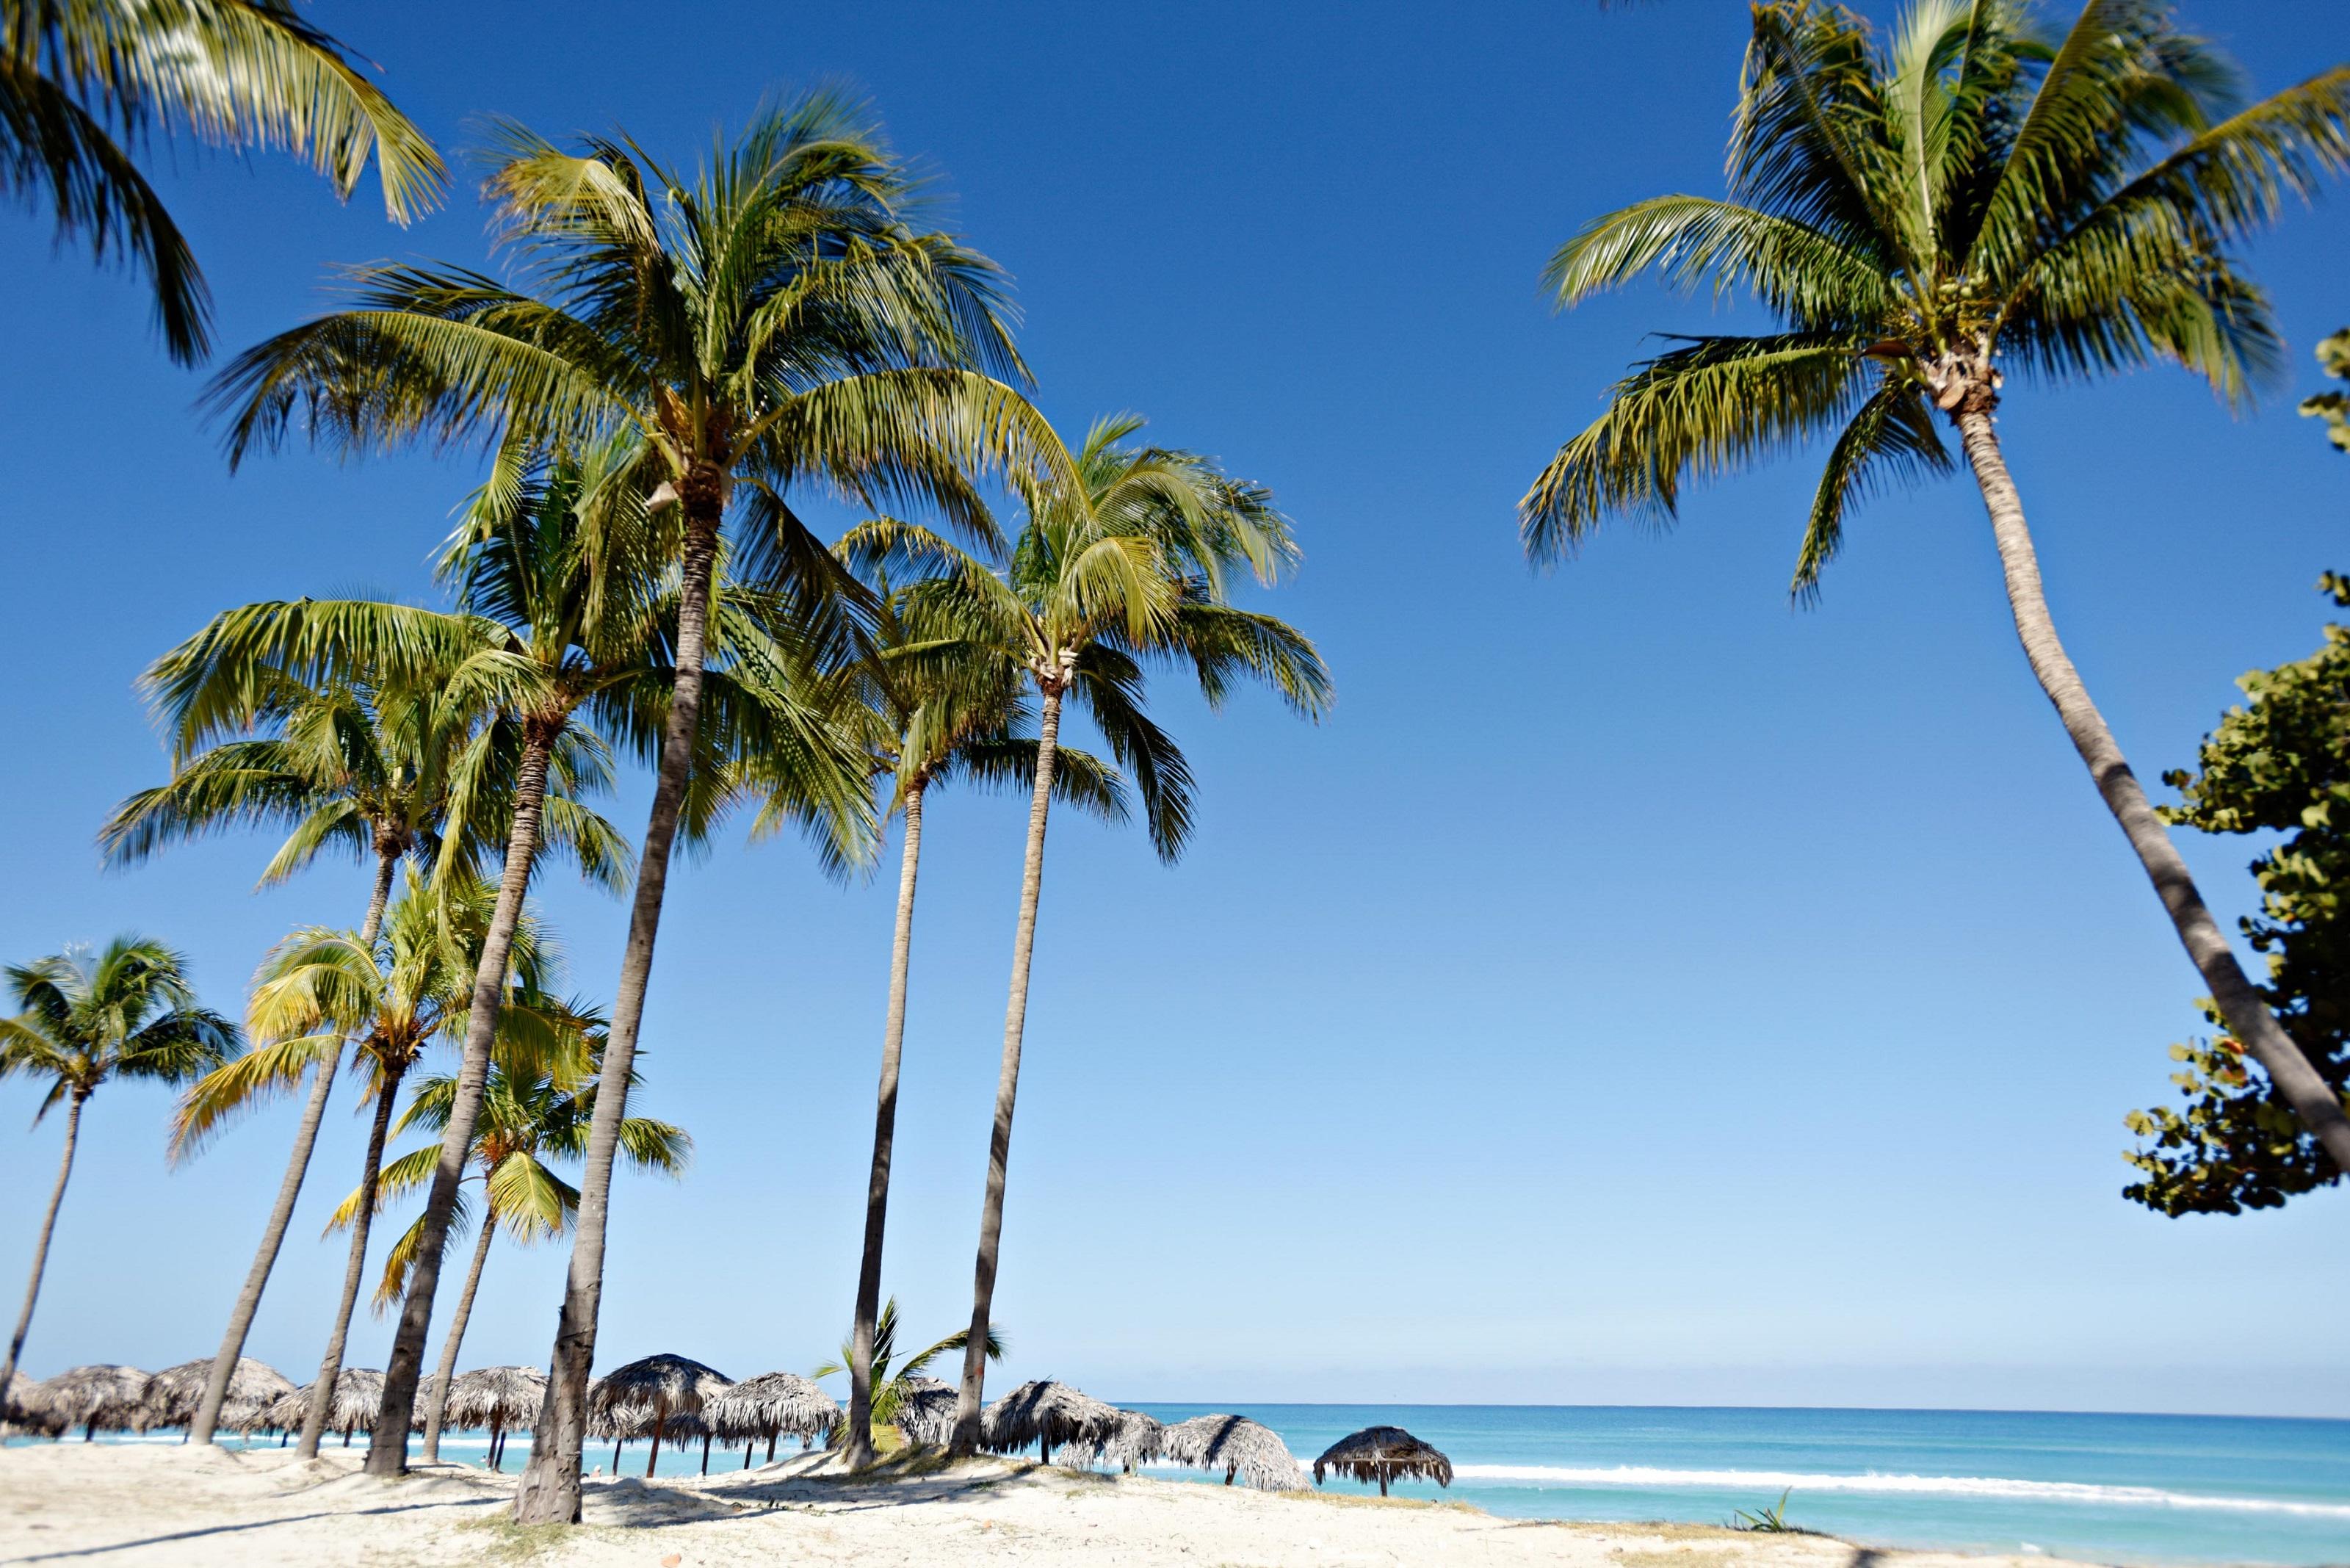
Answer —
1241 1448
1384 1454
927 1413
175 1394
1137 1440
498 1398
776 1404
608 1419
22 1414
101 1398
1048 1414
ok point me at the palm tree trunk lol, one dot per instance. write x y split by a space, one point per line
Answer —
2247 1016
965 1441
41 1246
387 1445
322 1393
885 1132
432 1418
297 1166
549 1493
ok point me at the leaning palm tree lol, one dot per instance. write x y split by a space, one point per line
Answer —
127 1012
394 996
1921 212
352 766
774 321
534 1111
944 708
1126 564
82 83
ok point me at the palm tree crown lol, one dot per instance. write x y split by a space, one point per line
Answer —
80 79
129 1013
1921 210
126 1011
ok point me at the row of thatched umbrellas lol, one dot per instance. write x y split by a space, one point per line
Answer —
676 1399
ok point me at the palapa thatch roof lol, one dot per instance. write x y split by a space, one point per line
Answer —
495 1398
359 1392
100 1398
1384 1454
632 1400
927 1412
1241 1448
174 1394
1048 1414
774 1404
1137 1440
21 1411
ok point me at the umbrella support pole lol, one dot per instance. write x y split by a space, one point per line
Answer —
654 1458
771 1447
705 1451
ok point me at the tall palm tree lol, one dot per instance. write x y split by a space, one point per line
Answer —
775 320
81 81
394 996
1126 564
343 767
945 707
127 1012
1921 211
533 1112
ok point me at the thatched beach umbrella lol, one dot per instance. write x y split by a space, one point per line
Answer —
96 1398
664 1388
1239 1447
174 1392
1384 1454
496 1399
1137 1440
926 1412
359 1390
769 1407
1047 1414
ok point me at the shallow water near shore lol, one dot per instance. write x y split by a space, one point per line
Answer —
2155 1490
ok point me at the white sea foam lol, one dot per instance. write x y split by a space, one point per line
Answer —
1898 1485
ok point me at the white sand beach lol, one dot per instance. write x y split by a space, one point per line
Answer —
198 1508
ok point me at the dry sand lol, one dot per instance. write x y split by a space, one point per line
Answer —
71 1504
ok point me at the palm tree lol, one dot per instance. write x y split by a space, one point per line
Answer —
944 707
773 322
1126 562
343 767
129 1013
531 1112
394 996
79 81
891 1380
1921 214
568 607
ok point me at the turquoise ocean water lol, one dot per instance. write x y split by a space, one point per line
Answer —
2152 1490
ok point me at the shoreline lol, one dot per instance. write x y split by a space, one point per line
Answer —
208 1508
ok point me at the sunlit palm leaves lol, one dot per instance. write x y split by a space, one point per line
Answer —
82 82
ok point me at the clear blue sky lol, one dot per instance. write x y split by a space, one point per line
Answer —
1638 990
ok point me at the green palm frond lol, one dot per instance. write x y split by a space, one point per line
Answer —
79 81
